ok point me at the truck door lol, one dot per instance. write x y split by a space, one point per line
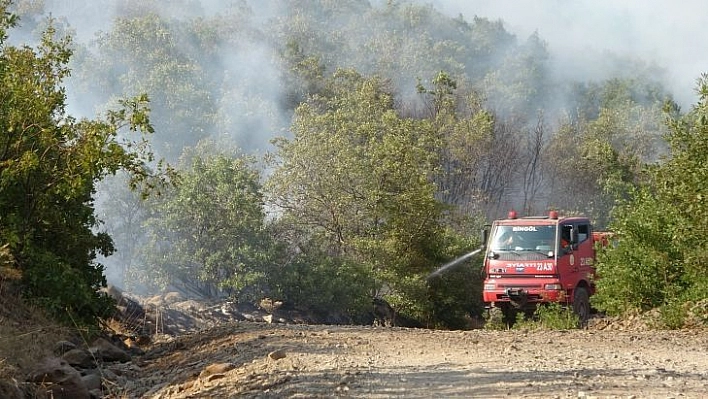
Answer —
576 259
584 252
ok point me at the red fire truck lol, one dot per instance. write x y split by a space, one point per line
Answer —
540 259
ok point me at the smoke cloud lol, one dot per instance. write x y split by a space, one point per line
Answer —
581 33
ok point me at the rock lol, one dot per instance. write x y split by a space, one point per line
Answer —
188 306
277 355
173 297
255 318
62 347
59 379
216 368
155 301
270 305
132 345
108 352
92 381
79 358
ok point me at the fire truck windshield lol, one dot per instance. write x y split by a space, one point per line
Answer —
524 238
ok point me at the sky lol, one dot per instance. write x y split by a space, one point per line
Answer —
670 34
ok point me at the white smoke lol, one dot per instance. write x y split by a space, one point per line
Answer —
580 33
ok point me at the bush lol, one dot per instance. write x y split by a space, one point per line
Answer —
494 320
550 316
455 295
325 285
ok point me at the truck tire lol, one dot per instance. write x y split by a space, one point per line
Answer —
581 305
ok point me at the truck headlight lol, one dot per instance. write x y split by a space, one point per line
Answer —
489 286
553 287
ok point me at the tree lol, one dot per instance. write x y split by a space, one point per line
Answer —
660 258
145 54
596 155
49 166
208 234
359 180
478 152
123 212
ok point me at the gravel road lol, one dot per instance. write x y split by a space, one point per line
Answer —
259 360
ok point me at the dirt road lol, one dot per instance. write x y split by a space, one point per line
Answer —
258 360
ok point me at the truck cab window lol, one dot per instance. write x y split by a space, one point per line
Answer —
583 232
565 236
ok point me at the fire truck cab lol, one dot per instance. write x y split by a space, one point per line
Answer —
540 259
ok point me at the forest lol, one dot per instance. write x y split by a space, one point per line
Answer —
325 153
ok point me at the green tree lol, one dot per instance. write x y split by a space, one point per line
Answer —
360 180
518 85
402 41
146 54
478 154
208 234
123 212
660 258
599 151
49 166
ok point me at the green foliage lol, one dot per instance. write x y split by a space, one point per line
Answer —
599 154
673 315
145 53
549 316
465 139
638 272
661 255
553 316
123 212
208 231
375 184
518 84
361 179
325 285
7 20
49 166
403 41
456 295
494 320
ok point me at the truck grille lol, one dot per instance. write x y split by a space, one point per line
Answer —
533 286
521 256
529 297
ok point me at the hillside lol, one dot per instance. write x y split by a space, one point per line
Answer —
26 336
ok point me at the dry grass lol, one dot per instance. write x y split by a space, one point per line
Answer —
26 335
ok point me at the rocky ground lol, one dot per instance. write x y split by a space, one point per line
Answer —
175 348
261 360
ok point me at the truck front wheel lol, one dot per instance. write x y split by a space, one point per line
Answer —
581 305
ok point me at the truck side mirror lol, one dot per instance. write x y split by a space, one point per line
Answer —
485 237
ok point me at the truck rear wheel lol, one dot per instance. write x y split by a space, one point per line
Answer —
581 305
